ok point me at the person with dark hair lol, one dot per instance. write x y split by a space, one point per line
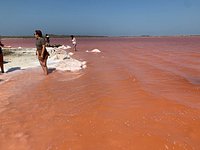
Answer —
47 39
1 57
74 42
41 51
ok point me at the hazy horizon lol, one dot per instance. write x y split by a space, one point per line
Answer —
64 36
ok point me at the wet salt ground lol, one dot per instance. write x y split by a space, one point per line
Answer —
139 93
24 58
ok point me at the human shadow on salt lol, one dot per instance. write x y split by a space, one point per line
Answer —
13 69
5 62
51 70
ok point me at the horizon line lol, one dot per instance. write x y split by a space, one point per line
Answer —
62 35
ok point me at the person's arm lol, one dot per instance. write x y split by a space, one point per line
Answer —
43 49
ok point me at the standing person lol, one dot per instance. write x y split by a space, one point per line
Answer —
47 39
1 57
41 51
74 42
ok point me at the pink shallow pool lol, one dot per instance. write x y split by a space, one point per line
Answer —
138 93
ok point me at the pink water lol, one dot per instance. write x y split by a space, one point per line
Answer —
138 93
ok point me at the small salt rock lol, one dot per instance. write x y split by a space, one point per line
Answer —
84 62
95 51
84 66
70 53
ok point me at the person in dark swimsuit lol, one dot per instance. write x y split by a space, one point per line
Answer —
1 57
41 51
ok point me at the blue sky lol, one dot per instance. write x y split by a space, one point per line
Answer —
100 17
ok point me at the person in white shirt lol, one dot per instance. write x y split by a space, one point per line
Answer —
47 40
74 42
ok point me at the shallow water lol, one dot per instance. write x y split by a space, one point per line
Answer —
138 93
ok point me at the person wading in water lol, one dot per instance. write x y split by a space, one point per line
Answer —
41 51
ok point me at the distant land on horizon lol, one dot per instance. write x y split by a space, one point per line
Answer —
66 36
51 35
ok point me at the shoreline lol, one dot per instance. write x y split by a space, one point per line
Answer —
25 58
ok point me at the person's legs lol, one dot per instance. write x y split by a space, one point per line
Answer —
74 47
1 63
43 64
2 69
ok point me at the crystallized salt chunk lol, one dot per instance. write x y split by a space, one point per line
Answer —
94 51
70 53
64 47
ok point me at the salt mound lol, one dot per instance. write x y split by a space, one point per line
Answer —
70 53
50 49
25 58
70 65
61 60
94 51
64 47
